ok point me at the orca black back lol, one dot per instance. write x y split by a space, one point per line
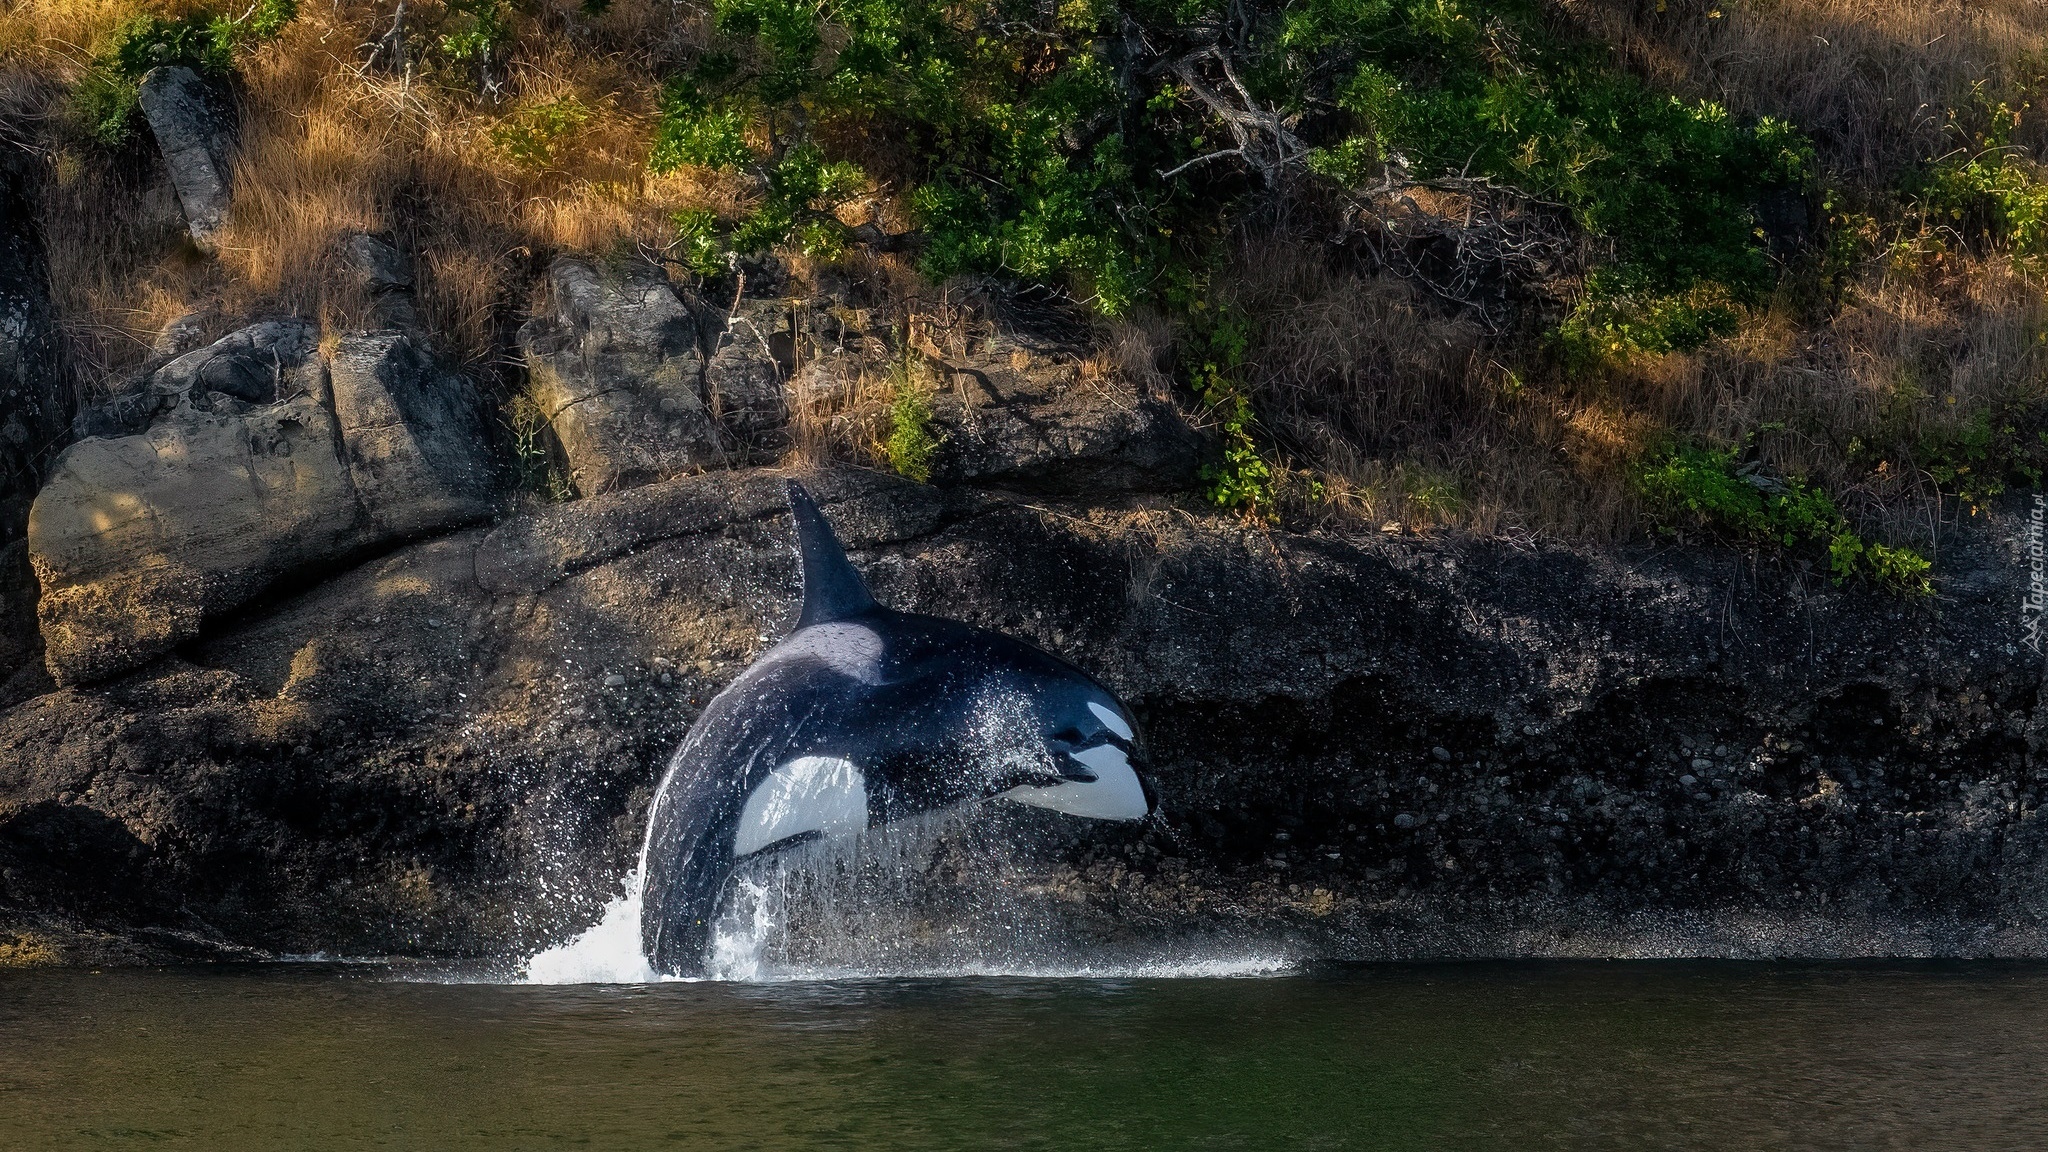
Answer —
861 716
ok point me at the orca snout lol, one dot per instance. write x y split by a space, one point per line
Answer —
1099 780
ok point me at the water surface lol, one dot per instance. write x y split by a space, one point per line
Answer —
1466 1056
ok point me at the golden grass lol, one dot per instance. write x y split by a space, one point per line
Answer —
1874 82
329 148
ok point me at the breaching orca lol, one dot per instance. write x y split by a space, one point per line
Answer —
863 716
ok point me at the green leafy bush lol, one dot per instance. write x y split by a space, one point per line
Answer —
912 444
700 243
1488 89
485 32
533 136
104 99
1711 488
1240 479
1997 195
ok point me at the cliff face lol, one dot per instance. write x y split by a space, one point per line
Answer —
1377 746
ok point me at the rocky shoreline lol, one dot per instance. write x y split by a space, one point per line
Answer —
1373 747
298 673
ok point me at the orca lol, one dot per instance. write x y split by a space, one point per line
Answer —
860 717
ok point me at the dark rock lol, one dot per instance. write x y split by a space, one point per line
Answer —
617 370
414 436
35 412
751 351
378 265
249 364
196 136
478 786
385 275
1010 417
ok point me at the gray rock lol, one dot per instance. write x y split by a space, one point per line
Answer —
1013 417
385 275
414 436
248 364
196 138
744 378
617 370
378 265
251 468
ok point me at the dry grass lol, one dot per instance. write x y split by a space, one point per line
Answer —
1409 415
329 148
1874 82
1405 407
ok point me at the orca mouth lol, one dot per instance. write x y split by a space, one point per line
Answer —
1099 784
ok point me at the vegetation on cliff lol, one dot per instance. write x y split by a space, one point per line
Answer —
1573 266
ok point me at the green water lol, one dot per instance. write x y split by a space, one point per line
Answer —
1474 1056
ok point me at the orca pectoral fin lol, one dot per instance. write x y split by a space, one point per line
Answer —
782 845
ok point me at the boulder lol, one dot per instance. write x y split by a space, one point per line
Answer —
249 364
617 370
252 469
1010 416
751 350
196 138
413 436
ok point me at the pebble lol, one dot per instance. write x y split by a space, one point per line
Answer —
615 681
1405 820
1441 753
1688 779
1702 765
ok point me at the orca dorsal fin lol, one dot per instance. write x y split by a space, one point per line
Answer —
832 589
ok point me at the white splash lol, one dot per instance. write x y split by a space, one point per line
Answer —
608 953
740 937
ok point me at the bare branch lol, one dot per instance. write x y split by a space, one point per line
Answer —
1170 174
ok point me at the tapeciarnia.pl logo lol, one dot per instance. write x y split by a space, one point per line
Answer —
2037 577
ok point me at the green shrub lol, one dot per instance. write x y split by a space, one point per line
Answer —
912 444
1998 196
692 130
483 34
532 136
104 105
1987 189
1488 89
1032 152
104 99
1240 479
1710 488
700 244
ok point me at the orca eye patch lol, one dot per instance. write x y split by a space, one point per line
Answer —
1071 741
